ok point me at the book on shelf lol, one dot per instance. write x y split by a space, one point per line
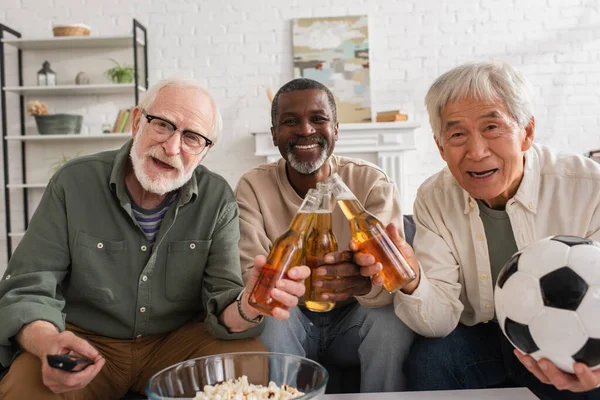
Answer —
123 121
391 116
129 122
118 121
594 155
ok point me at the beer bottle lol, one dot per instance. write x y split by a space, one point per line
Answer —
370 235
287 252
321 241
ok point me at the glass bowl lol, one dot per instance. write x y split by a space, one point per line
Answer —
183 380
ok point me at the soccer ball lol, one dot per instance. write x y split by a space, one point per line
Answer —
547 301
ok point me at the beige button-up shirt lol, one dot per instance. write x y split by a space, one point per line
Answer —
559 195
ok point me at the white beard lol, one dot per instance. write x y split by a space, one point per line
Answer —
308 167
161 184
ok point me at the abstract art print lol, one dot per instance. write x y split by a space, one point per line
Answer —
335 52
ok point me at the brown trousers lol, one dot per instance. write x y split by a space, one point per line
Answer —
129 363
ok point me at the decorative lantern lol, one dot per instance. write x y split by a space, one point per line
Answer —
46 77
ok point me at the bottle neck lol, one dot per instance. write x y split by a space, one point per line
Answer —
351 207
301 222
322 222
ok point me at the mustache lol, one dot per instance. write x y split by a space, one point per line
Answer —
158 153
320 140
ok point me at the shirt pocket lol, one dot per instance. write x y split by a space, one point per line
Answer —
95 270
184 271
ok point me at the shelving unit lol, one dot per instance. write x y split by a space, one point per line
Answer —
137 41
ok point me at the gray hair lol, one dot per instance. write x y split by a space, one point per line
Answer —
152 94
302 84
484 81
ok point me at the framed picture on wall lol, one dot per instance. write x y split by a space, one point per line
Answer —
335 52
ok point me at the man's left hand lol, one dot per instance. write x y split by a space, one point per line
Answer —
584 379
286 290
344 278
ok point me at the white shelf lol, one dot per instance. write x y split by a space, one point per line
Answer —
26 185
73 42
72 136
16 234
111 88
379 125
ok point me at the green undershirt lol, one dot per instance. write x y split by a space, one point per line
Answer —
500 238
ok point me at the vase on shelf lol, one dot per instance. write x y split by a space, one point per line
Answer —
58 124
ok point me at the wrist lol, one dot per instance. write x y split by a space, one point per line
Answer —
412 286
246 311
29 337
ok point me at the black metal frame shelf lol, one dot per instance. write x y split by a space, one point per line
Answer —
134 41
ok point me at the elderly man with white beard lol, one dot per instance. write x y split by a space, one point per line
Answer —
362 324
131 260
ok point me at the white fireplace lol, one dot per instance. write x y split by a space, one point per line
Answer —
383 143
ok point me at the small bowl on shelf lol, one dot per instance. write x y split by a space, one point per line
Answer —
71 30
188 378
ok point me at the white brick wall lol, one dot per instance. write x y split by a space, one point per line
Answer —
237 48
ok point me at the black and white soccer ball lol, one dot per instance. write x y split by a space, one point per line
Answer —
547 301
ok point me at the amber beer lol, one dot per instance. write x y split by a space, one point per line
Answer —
371 237
320 242
312 296
287 252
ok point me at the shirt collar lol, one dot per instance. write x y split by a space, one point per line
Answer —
117 175
187 193
527 193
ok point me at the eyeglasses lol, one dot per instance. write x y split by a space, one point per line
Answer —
161 130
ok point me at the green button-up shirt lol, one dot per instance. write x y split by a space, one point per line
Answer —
84 258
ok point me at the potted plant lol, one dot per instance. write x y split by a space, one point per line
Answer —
120 73
53 124
60 162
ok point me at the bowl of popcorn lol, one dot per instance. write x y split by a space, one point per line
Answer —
240 376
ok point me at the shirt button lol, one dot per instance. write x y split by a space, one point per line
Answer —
192 246
143 248
488 306
143 309
144 278
530 206
480 237
472 203
7 277
100 245
483 277
139 336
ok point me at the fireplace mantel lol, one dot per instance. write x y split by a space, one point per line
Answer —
386 140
